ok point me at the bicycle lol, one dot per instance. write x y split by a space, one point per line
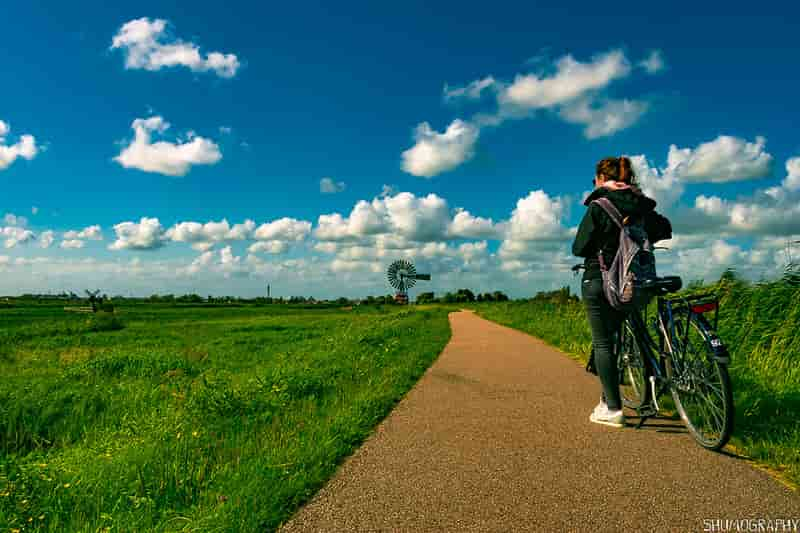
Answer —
688 359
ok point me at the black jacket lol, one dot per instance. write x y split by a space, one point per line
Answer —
598 232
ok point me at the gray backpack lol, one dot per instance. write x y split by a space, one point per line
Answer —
632 267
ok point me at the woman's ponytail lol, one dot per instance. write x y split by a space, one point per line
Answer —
623 176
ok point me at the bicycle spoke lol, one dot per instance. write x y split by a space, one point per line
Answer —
719 418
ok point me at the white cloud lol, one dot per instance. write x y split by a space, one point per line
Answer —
405 218
25 147
538 217
792 180
332 227
15 220
571 80
202 246
200 263
326 247
772 211
230 264
271 247
418 219
72 243
465 225
654 63
171 159
722 160
470 251
204 235
93 233
147 46
471 91
46 239
14 235
535 236
605 118
573 89
147 234
436 152
403 215
661 185
328 186
283 229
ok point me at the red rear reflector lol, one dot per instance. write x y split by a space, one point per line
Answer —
703 308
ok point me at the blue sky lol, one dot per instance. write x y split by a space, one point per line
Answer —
264 101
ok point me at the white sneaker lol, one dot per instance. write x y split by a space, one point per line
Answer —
602 415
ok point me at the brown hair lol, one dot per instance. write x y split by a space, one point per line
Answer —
616 169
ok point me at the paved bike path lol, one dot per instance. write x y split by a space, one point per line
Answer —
495 436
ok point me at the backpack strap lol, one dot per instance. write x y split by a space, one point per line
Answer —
614 214
611 210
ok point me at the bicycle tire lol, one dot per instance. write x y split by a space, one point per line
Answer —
689 374
634 372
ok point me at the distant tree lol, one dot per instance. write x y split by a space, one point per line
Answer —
342 301
500 296
560 296
425 298
479 298
465 295
449 298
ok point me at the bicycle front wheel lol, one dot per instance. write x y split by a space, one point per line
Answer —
701 386
633 373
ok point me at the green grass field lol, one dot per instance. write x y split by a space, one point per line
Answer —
760 325
192 418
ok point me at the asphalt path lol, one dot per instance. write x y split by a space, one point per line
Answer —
496 436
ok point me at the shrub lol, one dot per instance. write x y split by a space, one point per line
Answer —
104 321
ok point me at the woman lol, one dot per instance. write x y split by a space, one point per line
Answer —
615 180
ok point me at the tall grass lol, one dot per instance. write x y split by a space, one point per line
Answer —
193 419
760 324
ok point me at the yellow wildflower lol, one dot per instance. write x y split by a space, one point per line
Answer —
195 433
67 485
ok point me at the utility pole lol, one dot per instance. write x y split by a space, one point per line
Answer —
268 290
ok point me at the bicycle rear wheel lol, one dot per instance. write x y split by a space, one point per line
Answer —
701 386
633 373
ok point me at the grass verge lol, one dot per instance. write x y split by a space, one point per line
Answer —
223 419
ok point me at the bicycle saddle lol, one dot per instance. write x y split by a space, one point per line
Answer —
666 284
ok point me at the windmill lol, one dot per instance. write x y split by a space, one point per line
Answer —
94 301
402 276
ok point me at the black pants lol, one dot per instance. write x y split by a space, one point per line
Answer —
604 321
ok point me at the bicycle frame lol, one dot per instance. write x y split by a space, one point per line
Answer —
655 354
